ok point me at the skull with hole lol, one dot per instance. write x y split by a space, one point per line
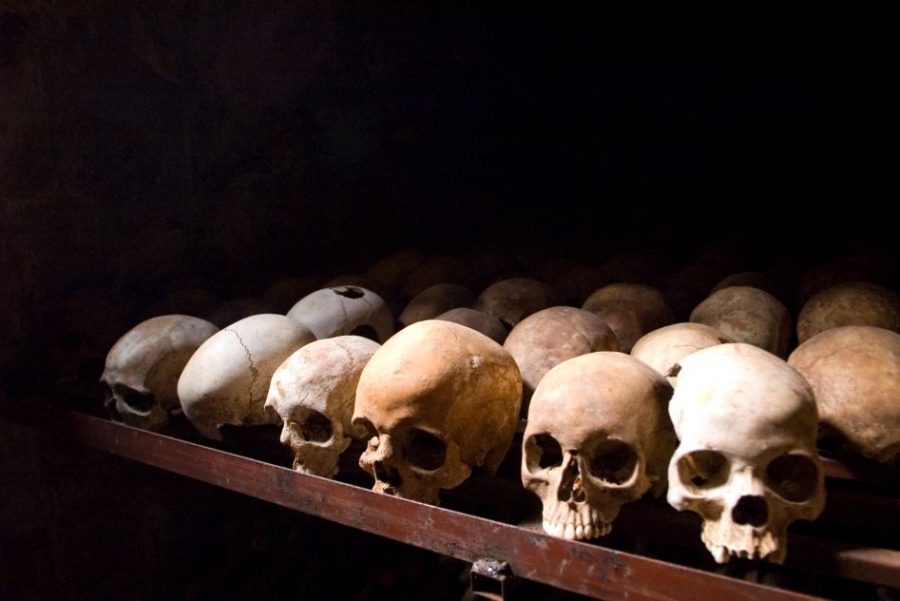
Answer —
344 310
313 392
855 374
747 314
747 461
664 347
849 304
551 336
598 437
513 299
631 310
437 401
227 379
142 368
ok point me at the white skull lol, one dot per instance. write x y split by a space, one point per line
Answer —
313 392
747 459
227 379
142 368
549 337
747 314
598 437
344 310
855 374
438 400
849 304
664 347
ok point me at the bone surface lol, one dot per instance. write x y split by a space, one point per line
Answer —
631 310
747 314
437 400
849 304
747 461
435 300
664 347
513 299
479 321
549 337
598 437
855 374
227 379
344 310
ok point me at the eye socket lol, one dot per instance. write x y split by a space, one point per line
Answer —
793 477
613 461
315 427
703 469
363 428
137 400
542 451
424 450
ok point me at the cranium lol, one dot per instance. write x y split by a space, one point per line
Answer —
479 321
227 379
344 310
551 336
435 300
438 400
664 347
631 310
849 304
855 374
513 299
142 368
747 459
747 314
597 437
313 392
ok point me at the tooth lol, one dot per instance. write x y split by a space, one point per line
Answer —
560 527
579 533
569 532
547 527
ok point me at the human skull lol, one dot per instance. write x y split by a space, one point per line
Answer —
855 374
435 300
747 314
313 392
664 347
551 336
437 400
227 379
142 368
479 321
344 310
631 310
747 459
849 304
513 299
597 437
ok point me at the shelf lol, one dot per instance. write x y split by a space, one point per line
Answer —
591 569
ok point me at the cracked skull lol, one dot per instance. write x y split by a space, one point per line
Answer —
437 400
142 368
226 380
598 437
313 392
343 310
747 461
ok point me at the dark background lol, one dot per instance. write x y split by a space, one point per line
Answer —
145 148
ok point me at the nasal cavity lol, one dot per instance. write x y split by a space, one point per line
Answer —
387 474
752 511
570 483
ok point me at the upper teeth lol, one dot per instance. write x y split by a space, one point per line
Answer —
576 532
